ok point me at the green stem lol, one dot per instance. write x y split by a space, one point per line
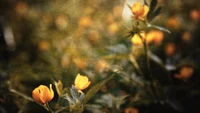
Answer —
57 103
135 64
49 108
61 109
148 73
23 95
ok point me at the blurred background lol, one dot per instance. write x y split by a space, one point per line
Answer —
46 40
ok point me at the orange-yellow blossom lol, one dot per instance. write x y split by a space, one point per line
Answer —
85 21
131 110
155 36
43 94
139 11
81 82
173 22
185 73
138 38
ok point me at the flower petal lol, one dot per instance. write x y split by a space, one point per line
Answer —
146 10
47 94
36 95
86 85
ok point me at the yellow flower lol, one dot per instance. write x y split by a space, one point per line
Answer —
139 11
43 94
185 73
195 14
113 28
137 40
156 36
102 65
21 8
170 49
131 110
43 45
85 21
80 62
173 22
81 82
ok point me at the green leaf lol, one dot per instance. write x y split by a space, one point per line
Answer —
96 88
129 6
76 109
155 13
154 10
158 27
120 101
59 87
153 5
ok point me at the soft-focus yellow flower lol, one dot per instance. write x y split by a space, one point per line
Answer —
85 21
170 49
156 36
80 62
131 110
102 65
81 82
61 22
186 36
43 94
113 28
21 8
137 40
94 36
185 73
109 19
195 15
173 22
43 45
139 11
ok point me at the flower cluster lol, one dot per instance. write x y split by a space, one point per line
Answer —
43 94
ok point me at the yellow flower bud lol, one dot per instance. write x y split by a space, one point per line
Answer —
43 94
81 82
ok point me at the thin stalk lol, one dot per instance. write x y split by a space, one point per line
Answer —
23 95
57 103
61 109
49 108
135 64
148 73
